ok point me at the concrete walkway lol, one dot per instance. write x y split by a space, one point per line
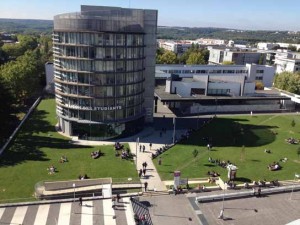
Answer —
147 136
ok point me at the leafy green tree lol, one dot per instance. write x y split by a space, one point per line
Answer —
6 108
288 81
293 123
228 63
292 48
195 58
168 57
22 76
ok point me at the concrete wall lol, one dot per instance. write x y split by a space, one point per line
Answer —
233 108
184 88
150 28
234 87
249 88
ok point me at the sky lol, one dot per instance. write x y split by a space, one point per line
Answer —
235 14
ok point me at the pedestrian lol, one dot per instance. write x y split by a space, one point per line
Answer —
144 148
150 145
145 164
259 192
140 173
80 201
159 161
140 148
118 197
113 199
144 172
146 185
208 147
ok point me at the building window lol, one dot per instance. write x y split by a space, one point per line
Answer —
259 71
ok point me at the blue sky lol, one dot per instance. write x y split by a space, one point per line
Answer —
239 14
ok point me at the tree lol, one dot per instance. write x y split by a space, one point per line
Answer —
259 85
21 76
195 58
288 81
292 48
261 59
293 123
228 63
168 58
6 108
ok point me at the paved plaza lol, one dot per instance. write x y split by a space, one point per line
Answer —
98 212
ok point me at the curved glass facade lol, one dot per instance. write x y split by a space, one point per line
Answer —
99 79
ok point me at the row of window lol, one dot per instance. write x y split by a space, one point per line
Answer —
100 116
204 71
101 79
106 39
108 66
92 104
99 52
103 92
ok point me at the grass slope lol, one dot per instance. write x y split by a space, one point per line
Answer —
38 146
229 135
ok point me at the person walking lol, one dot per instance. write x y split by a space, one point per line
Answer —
146 185
80 201
145 165
144 172
159 161
150 146
140 148
140 173
144 148
118 197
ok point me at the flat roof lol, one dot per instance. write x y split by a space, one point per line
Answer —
261 95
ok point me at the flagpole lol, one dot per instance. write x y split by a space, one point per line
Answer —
174 130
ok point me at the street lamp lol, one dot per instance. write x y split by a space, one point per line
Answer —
74 185
136 150
221 216
216 101
174 130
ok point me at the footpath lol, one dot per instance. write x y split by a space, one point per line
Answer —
149 135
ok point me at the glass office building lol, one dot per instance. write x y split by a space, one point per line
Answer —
104 67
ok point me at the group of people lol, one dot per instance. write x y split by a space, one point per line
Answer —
80 177
291 140
95 154
274 166
160 151
143 171
118 146
213 174
125 154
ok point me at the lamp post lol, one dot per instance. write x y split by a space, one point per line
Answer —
74 185
136 151
174 130
221 216
216 101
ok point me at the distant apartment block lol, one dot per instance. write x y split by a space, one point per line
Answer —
251 72
286 61
178 47
208 41
237 57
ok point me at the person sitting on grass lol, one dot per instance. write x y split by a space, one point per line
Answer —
63 159
274 166
51 169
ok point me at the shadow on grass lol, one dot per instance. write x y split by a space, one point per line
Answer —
227 132
242 179
33 136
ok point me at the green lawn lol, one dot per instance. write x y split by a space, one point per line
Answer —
38 146
229 134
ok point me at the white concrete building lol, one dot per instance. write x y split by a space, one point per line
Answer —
267 46
251 72
237 56
178 47
209 41
286 61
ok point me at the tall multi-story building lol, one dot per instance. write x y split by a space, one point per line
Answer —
104 66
